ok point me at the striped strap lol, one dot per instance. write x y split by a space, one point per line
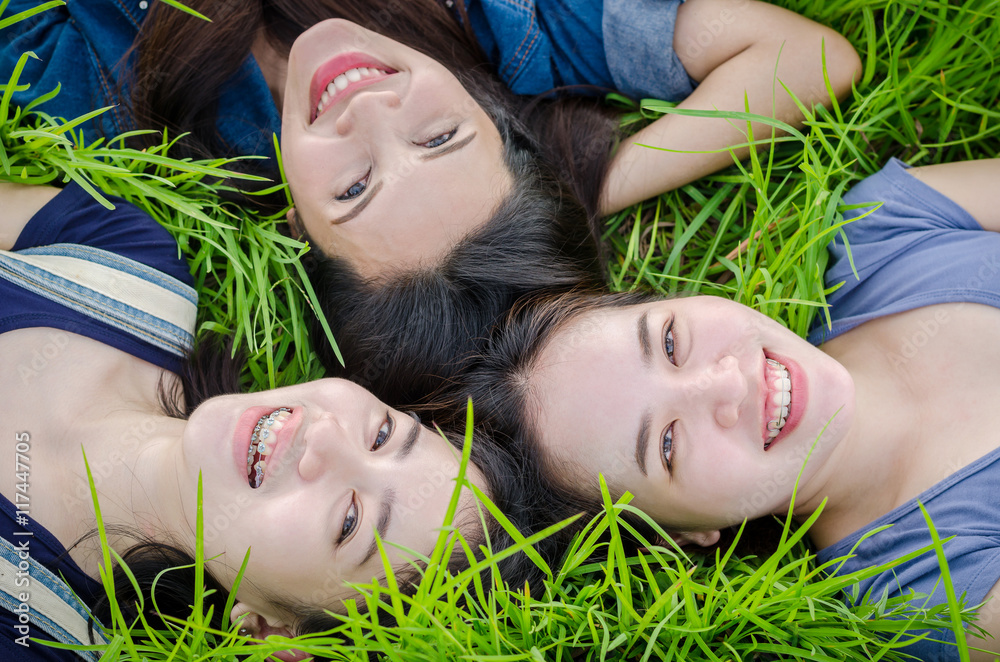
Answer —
127 295
30 590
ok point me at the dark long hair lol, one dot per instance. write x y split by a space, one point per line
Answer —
213 370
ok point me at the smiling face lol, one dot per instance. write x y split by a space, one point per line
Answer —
390 161
338 465
676 401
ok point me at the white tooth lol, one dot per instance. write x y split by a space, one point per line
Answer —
776 399
786 383
784 412
341 82
353 75
319 109
786 397
772 433
323 100
773 426
364 71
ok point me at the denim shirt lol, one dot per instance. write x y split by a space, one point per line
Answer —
625 45
82 45
536 45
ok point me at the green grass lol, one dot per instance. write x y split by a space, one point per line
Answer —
929 94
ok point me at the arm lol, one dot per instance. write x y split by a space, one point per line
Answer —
744 39
18 203
972 185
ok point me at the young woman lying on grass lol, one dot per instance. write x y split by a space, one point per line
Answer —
706 411
433 204
97 314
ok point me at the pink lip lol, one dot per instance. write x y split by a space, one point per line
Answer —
797 404
333 68
244 429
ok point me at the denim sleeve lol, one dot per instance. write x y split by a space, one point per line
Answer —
76 47
639 44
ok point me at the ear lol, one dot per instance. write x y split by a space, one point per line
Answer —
697 538
253 625
293 223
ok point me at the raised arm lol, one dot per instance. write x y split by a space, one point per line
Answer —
729 47
18 203
971 184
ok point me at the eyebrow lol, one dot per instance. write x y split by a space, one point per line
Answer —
646 354
358 208
449 147
384 517
645 347
642 442
412 436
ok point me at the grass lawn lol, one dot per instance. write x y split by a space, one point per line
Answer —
755 233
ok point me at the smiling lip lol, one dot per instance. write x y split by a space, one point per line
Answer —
797 403
244 430
334 67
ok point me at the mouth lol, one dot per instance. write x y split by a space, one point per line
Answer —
777 400
262 443
341 77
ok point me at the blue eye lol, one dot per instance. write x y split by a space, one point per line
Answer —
350 522
356 189
668 447
437 141
384 432
668 341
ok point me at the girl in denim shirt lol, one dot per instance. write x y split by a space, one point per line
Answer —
437 188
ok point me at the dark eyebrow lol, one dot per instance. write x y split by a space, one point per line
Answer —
357 209
406 447
642 441
645 348
448 148
384 517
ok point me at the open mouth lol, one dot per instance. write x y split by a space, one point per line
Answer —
262 441
777 401
342 76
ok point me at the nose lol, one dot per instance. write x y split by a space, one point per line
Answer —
327 449
367 108
723 387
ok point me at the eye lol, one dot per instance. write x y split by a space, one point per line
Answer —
668 342
355 189
668 448
350 522
437 141
384 432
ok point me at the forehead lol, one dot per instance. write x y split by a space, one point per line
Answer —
588 393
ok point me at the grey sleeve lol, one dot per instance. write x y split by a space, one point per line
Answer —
639 45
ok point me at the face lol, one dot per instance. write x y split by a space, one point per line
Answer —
390 161
676 401
336 465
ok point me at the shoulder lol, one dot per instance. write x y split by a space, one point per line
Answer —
75 217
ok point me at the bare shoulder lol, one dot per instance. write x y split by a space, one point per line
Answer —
18 203
989 620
